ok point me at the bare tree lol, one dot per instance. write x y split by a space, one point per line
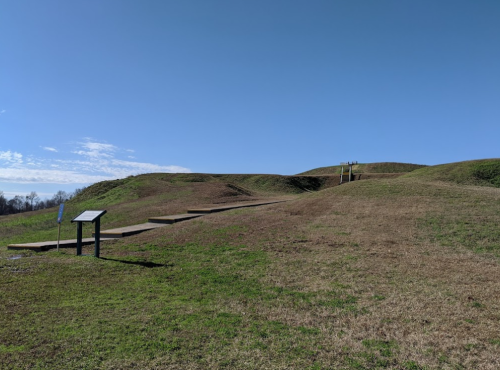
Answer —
60 197
32 198
32 201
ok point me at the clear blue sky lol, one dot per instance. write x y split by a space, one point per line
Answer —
101 89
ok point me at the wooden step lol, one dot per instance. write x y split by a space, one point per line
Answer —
129 230
232 206
174 218
44 246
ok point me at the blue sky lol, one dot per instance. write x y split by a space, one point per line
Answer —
102 89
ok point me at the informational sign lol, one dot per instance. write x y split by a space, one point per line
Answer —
88 216
60 215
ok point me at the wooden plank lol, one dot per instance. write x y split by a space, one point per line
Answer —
233 206
44 246
174 218
129 230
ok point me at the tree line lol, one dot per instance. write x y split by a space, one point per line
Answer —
32 202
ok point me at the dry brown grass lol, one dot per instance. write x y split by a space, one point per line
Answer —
439 304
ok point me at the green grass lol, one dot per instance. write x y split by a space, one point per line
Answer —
176 306
462 216
487 171
472 231
42 226
484 172
468 220
394 188
99 190
378 354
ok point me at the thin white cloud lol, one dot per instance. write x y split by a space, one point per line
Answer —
146 167
100 162
96 150
12 194
49 149
11 158
25 175
2 111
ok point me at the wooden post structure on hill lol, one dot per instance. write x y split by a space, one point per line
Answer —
342 173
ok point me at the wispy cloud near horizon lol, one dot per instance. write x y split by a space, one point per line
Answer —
92 161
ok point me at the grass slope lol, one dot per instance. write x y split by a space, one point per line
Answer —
379 274
383 167
128 201
134 199
484 172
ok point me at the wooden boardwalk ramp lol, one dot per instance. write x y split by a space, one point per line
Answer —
153 223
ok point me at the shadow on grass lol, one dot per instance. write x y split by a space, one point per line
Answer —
138 263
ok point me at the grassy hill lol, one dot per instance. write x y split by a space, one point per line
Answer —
384 273
134 199
383 167
485 172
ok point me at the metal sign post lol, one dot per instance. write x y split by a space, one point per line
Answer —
88 216
59 220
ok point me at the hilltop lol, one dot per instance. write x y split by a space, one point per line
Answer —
392 273
382 167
